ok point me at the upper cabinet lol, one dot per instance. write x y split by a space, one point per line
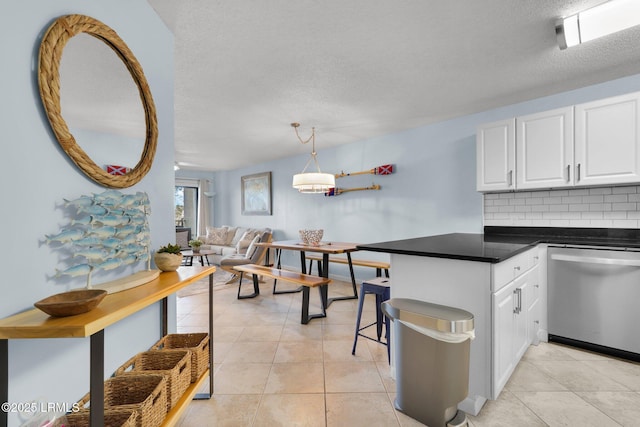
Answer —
607 148
544 149
496 156
596 143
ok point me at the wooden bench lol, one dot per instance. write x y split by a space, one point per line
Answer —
305 280
378 265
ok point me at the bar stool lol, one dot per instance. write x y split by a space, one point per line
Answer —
380 287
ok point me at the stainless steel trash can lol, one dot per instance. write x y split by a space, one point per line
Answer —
432 346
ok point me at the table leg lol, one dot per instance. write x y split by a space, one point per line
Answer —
324 293
278 265
305 316
303 262
275 281
4 380
325 273
164 317
256 287
96 379
305 306
201 396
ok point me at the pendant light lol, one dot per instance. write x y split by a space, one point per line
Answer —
312 182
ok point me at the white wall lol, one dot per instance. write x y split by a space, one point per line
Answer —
37 175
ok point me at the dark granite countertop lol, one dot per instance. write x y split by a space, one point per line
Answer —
497 244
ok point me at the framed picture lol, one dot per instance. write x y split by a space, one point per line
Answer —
256 194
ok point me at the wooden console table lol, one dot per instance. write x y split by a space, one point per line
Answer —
115 307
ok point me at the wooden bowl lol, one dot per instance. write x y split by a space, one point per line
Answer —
72 302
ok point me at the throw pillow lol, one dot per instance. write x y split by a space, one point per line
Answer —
231 234
252 247
245 241
234 235
216 236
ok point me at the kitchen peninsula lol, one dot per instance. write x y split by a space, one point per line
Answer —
500 277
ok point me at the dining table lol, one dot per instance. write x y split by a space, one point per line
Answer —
324 248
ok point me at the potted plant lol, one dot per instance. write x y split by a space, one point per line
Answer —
168 258
195 245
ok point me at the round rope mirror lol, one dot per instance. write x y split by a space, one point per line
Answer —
51 48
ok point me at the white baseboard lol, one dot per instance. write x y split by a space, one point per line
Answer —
472 406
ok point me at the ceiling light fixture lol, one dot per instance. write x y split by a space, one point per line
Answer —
312 182
598 21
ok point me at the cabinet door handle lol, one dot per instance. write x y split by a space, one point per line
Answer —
517 268
578 173
510 177
568 173
518 308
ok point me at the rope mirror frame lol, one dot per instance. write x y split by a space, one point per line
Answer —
50 55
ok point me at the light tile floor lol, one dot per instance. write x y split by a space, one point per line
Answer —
270 370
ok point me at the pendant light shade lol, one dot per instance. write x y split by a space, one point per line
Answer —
312 182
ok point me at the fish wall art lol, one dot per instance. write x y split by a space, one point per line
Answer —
106 231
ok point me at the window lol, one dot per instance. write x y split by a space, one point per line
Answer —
186 207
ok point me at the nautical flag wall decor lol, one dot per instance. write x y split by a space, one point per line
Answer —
380 170
384 170
117 170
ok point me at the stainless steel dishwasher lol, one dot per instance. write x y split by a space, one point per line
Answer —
594 299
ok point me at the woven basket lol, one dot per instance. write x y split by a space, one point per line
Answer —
197 343
112 418
145 394
174 364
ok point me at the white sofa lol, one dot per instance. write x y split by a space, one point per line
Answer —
227 240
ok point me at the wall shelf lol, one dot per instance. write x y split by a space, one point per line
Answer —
115 307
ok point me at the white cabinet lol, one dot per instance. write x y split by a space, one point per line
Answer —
607 141
495 156
544 149
510 329
595 143
534 306
504 362
515 307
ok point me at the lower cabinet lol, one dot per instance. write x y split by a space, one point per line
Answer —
515 307
534 306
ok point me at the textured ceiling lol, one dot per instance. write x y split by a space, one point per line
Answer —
354 69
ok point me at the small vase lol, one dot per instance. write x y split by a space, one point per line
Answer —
196 249
167 262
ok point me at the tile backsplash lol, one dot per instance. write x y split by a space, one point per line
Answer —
607 207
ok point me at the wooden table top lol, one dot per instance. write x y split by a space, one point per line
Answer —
203 252
37 324
324 247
